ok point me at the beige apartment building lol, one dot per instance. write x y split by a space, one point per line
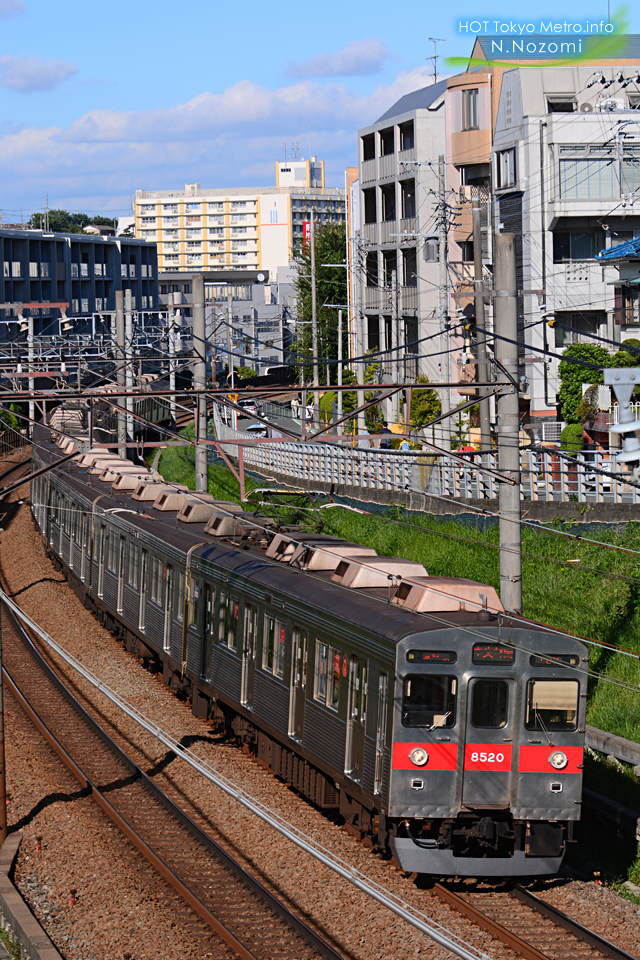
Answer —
241 229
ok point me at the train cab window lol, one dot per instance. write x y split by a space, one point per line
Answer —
429 701
489 703
552 705
327 680
132 570
273 646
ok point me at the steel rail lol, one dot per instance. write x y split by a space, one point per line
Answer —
392 902
314 940
573 926
488 924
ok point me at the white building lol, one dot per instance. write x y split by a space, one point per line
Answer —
242 229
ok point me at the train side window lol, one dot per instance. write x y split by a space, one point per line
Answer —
232 624
381 730
179 596
195 599
322 670
144 576
223 614
429 701
132 573
121 563
489 703
101 551
273 646
552 705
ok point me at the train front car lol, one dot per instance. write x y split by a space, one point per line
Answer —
486 769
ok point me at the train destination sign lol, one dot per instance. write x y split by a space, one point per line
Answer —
492 653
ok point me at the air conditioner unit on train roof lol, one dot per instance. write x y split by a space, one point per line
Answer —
363 571
110 473
170 499
283 546
128 481
223 525
310 556
149 490
440 594
102 464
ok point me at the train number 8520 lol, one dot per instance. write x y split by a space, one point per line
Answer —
487 757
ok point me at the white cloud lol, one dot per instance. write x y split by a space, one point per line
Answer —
359 58
11 8
234 137
31 74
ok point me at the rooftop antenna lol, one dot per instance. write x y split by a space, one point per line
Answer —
285 150
435 57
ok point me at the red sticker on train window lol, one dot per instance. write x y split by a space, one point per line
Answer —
487 756
344 667
281 634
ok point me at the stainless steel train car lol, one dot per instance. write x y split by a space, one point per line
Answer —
440 730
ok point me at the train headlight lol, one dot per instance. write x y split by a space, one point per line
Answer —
419 756
558 760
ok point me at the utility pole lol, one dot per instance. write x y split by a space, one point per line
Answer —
443 301
359 334
32 355
200 381
482 368
230 367
128 339
395 343
3 775
339 372
314 321
506 325
120 354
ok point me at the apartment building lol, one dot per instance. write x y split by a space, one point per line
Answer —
80 269
565 170
242 229
394 213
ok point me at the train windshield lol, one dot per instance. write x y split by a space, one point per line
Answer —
552 705
429 701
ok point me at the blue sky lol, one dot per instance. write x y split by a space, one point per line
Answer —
100 99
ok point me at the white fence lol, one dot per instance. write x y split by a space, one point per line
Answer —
545 475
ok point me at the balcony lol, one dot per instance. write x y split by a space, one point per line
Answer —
409 298
370 232
387 166
408 226
368 170
372 298
406 156
388 231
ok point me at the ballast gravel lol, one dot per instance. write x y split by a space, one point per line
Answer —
361 928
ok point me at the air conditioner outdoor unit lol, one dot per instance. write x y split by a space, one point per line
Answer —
586 107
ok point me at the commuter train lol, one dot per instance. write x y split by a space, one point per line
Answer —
443 732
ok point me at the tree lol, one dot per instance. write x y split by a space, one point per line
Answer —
425 404
331 287
572 376
61 221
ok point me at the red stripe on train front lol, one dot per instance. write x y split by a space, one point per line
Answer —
535 759
487 756
442 756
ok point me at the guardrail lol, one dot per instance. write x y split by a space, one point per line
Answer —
545 474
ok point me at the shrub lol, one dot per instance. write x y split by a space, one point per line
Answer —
571 437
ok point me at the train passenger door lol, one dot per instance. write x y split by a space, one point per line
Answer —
489 742
168 608
207 633
298 689
356 719
249 655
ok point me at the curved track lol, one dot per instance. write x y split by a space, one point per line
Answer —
530 926
250 920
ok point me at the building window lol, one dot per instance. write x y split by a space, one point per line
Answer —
169 208
387 142
575 245
388 198
470 113
369 197
216 231
171 234
172 247
195 207
627 306
561 104
194 258
239 205
406 135
372 269
147 220
171 258
217 220
408 198
506 168
192 234
148 234
581 326
409 268
171 221
147 208
218 205
588 173
389 265
368 147
239 218
193 219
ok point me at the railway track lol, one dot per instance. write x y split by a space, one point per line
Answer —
531 927
248 919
